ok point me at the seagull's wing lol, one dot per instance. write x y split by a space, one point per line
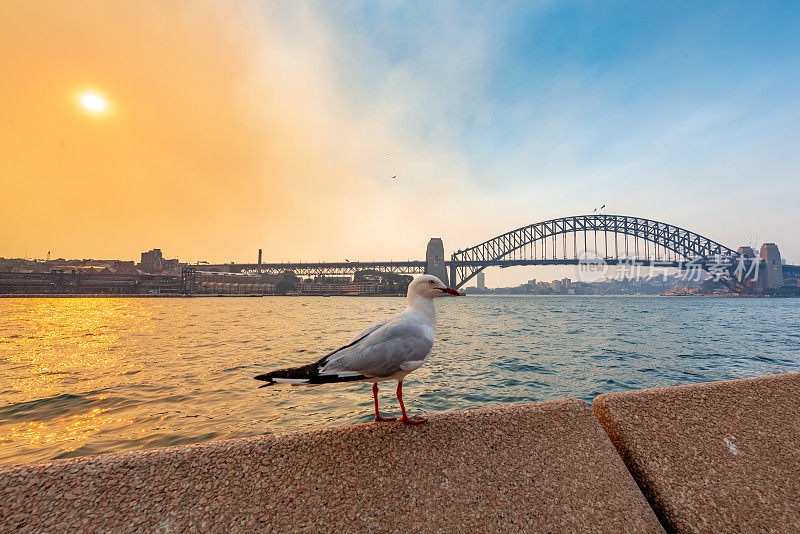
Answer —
367 331
383 352
401 343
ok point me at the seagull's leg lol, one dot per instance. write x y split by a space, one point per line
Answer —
378 417
417 419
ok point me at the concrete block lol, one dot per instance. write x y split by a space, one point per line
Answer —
534 467
713 457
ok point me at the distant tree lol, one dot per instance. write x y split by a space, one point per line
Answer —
284 286
287 283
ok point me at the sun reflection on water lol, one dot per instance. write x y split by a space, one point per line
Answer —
68 434
71 340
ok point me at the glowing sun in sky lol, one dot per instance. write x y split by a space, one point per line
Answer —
93 102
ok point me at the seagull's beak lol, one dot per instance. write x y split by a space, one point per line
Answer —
451 291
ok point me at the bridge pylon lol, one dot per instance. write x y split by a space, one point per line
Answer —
434 260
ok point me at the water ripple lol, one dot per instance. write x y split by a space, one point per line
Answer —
87 376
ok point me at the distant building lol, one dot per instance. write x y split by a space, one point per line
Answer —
236 283
771 276
351 288
481 280
123 267
96 266
151 261
172 267
337 279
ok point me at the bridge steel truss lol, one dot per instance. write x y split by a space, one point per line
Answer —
524 245
330 268
544 243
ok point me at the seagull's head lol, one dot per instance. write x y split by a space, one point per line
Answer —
428 286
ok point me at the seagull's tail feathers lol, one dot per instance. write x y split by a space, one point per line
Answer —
307 375
292 375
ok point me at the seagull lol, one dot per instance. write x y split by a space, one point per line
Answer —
387 350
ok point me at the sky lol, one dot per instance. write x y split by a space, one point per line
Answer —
234 126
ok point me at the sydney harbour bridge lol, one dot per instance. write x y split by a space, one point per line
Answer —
612 239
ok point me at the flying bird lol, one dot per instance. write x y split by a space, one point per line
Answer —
388 350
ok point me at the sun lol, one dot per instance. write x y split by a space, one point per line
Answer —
93 102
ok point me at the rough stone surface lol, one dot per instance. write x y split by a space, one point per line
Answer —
533 467
713 457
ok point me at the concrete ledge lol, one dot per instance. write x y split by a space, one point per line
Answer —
534 467
713 457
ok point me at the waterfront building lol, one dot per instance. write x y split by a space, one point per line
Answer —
481 280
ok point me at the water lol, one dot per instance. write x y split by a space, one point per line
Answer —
88 376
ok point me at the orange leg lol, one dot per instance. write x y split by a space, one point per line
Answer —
405 419
378 418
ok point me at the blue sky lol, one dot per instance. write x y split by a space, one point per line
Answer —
583 81
682 111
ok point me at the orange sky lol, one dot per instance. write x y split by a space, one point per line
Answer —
234 126
214 144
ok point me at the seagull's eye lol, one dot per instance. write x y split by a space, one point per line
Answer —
431 282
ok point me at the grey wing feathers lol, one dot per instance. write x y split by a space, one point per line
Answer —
383 351
368 330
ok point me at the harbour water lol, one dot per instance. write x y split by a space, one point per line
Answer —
89 376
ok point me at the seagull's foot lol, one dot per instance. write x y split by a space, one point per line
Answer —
379 419
416 420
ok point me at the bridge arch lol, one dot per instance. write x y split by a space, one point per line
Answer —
531 244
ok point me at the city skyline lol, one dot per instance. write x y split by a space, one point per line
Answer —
361 132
